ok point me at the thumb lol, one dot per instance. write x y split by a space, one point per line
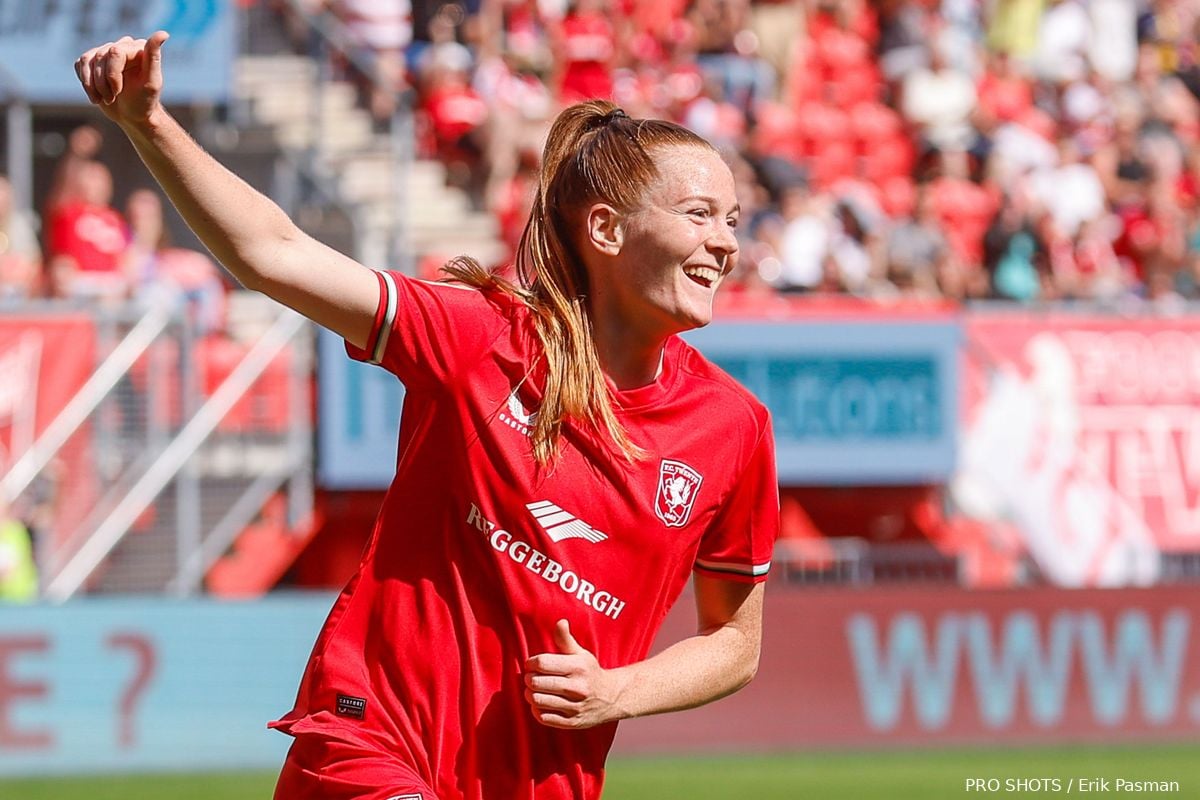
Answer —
154 50
565 641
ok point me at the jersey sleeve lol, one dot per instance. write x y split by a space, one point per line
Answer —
428 333
739 543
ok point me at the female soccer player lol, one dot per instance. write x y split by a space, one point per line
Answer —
565 463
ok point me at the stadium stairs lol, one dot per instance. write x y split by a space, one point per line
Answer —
330 129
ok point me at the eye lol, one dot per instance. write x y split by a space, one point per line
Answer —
732 222
700 213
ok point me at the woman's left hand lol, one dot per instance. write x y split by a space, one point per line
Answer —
570 689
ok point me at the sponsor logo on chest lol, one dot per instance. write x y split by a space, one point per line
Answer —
559 524
678 485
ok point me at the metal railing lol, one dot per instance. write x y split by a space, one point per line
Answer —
166 453
856 562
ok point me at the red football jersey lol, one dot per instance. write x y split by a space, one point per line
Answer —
477 551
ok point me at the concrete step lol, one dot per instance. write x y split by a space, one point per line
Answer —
348 135
454 221
251 71
337 101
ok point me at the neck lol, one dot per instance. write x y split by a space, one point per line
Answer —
627 359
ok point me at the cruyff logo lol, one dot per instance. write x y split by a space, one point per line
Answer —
678 485
515 415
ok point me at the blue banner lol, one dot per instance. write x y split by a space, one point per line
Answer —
863 403
132 684
854 403
40 40
358 419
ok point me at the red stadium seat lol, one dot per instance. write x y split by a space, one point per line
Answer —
874 122
821 124
889 158
832 161
858 84
777 131
898 196
836 50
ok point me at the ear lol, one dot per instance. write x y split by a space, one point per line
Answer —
605 229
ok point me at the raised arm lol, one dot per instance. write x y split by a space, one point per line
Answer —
570 689
248 233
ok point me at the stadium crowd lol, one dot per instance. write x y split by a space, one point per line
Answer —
941 150
90 251
1022 150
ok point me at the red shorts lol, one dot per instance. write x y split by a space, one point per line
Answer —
322 768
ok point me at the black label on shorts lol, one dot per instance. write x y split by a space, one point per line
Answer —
348 706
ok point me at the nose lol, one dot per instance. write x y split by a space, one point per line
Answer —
723 244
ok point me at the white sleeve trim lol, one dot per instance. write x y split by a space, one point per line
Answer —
389 317
752 570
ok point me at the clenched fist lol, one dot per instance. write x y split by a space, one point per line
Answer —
124 78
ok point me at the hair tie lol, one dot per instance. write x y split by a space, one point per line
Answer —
616 113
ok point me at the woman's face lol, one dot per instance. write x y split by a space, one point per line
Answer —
675 248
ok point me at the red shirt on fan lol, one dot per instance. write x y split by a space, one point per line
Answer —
588 43
477 552
94 236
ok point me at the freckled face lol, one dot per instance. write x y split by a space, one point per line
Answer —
677 247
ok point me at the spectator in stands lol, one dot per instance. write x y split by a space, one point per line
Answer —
20 256
83 146
585 49
715 118
1071 192
801 238
965 209
917 251
382 28
1014 255
903 33
1121 163
1112 48
87 240
728 50
166 276
779 27
1013 26
1096 273
855 248
1004 93
939 101
1040 97
1166 26
456 115
1064 39
18 570
1187 282
511 60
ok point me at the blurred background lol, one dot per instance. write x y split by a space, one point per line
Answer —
970 267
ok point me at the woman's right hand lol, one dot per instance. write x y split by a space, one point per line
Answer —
124 78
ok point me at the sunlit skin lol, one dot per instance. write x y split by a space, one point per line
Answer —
655 269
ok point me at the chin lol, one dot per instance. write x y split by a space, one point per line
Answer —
689 322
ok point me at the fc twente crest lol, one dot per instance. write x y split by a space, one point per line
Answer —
678 485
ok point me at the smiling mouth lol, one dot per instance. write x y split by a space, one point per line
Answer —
705 276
